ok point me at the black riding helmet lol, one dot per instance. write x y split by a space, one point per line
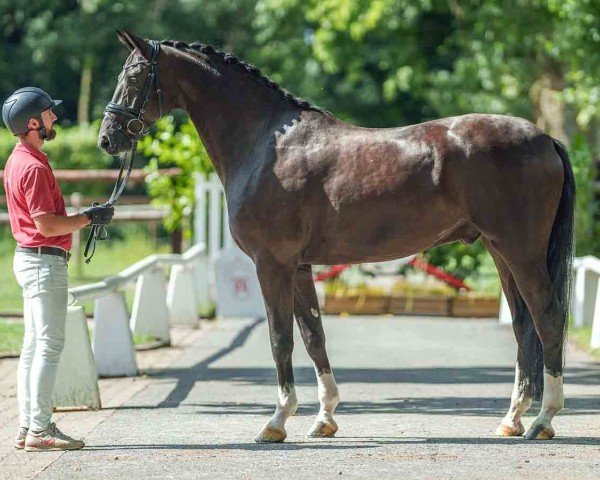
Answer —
25 103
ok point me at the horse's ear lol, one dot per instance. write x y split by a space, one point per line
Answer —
139 44
123 39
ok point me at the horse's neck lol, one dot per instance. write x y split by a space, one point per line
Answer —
231 112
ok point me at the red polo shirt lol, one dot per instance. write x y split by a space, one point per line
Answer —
32 190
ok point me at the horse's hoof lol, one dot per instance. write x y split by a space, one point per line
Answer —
270 435
540 432
505 430
323 429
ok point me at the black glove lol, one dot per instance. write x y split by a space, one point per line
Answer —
100 214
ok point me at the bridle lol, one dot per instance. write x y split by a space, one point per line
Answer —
136 128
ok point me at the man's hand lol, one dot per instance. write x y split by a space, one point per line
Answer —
100 214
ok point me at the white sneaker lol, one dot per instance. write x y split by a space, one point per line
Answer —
51 439
20 438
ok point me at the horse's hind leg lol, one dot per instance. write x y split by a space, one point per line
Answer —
521 398
306 309
533 282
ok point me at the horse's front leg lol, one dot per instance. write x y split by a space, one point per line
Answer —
277 285
306 309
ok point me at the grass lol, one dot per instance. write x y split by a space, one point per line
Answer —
11 336
111 257
581 337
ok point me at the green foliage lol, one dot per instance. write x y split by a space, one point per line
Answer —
174 145
458 259
587 229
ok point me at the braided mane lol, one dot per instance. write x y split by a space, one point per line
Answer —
249 69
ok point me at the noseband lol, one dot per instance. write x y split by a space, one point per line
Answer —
135 128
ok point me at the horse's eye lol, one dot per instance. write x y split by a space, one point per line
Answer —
132 79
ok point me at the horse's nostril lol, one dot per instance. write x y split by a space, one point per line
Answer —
104 142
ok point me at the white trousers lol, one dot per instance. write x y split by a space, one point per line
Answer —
43 279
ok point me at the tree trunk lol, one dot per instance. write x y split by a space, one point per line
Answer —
548 105
83 105
177 240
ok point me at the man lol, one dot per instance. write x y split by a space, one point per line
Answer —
42 229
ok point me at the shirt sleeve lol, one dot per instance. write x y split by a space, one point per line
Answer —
37 190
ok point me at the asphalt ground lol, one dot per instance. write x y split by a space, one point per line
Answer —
421 398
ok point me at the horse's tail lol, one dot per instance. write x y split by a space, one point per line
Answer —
561 246
559 260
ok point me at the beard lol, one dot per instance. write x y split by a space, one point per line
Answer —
47 134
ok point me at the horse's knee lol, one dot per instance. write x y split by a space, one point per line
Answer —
282 347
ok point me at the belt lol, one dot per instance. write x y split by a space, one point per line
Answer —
46 250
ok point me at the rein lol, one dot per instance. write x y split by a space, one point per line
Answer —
136 128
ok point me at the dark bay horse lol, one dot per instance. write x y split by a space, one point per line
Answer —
305 188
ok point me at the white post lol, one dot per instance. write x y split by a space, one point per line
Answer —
113 345
202 275
227 238
181 297
595 340
584 300
504 316
200 210
215 216
149 314
76 380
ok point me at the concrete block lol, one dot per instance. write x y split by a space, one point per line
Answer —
76 380
182 303
112 340
149 314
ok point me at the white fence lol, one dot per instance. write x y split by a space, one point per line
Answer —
585 306
211 224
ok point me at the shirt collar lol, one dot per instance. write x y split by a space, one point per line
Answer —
32 150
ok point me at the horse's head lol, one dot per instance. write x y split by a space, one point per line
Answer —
137 101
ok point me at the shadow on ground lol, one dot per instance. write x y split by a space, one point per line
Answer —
472 406
349 443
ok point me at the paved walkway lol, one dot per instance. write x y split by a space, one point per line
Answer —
420 399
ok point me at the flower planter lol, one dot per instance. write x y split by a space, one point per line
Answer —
420 305
355 304
464 305
482 307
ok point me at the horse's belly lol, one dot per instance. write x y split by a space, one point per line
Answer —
378 235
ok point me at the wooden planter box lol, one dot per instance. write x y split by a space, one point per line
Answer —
420 305
465 306
430 305
356 304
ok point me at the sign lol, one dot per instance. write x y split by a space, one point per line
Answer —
237 289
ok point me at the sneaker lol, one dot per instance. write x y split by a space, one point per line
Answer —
51 439
20 438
